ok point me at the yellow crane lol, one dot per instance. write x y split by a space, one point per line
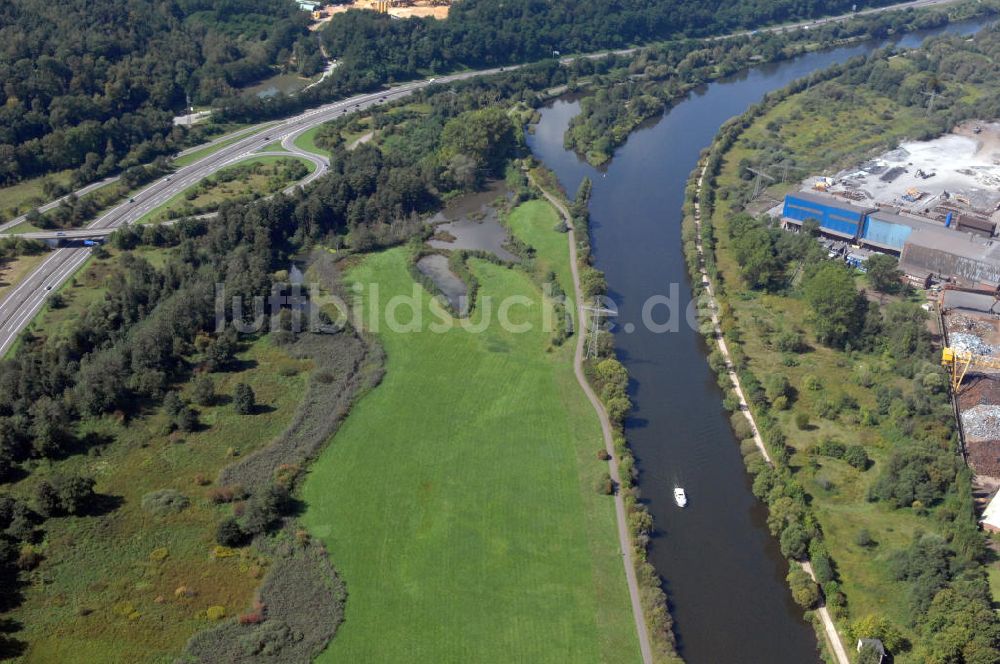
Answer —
960 361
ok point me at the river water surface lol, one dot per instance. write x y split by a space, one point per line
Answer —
723 572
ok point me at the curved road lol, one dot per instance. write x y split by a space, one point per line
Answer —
20 304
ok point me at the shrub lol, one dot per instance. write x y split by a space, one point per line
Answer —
227 494
244 399
864 538
831 447
165 501
229 533
802 421
790 342
215 612
857 457
605 486
827 409
812 383
602 455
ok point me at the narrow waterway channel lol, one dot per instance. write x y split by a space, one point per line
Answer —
723 571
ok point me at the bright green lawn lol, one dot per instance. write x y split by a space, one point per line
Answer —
458 499
307 141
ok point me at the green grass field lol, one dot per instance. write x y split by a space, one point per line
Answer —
458 500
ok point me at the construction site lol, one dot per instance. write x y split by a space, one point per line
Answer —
396 8
934 204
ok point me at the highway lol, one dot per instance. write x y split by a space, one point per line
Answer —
18 307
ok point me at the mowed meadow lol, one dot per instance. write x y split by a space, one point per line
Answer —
459 499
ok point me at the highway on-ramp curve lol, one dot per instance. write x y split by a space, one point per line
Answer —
19 306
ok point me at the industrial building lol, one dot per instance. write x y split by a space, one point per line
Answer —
835 217
956 249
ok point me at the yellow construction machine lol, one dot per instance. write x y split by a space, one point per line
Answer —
960 361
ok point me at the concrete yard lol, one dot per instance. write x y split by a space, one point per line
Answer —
965 164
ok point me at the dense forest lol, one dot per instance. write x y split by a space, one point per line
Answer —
486 33
94 84
91 85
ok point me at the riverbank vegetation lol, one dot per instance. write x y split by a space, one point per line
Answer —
868 482
638 89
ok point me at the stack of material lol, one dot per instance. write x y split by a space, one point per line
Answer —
970 343
981 423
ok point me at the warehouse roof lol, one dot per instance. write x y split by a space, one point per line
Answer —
828 199
958 243
913 222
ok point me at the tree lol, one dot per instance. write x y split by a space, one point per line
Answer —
794 541
64 495
75 493
883 273
804 591
485 137
203 390
838 309
263 510
244 399
873 626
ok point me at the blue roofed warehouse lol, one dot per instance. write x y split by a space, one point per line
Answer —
834 216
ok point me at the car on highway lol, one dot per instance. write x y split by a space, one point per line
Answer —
48 288
131 200
60 234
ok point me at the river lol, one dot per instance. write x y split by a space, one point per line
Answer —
722 570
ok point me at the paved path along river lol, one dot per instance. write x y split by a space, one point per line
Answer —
724 573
